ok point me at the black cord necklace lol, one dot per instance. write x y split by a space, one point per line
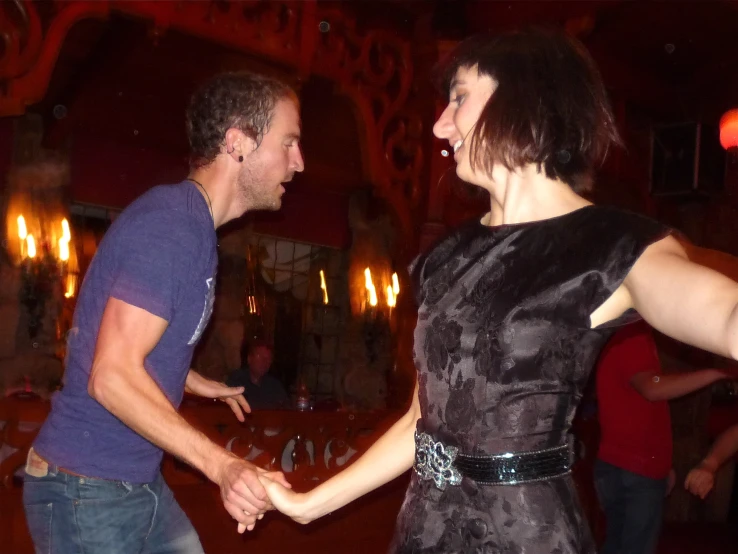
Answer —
210 204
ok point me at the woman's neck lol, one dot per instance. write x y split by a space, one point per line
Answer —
528 195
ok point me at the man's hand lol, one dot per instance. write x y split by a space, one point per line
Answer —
242 493
207 388
700 481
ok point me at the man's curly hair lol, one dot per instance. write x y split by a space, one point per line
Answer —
240 100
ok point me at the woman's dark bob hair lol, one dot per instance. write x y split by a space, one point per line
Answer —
550 107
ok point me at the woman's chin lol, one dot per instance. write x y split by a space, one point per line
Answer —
471 178
465 174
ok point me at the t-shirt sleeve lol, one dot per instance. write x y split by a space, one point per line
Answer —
155 259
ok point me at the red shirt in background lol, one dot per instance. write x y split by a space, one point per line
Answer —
635 432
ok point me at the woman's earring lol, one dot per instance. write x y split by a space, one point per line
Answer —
240 159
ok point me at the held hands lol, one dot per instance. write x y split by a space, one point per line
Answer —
207 388
243 495
290 503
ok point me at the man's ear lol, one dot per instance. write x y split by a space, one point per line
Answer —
238 145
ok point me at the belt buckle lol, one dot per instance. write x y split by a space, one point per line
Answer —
434 460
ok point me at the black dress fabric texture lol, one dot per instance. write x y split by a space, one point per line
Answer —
504 348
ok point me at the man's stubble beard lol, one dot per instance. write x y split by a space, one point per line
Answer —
254 194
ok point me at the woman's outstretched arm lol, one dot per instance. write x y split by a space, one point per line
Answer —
680 298
389 457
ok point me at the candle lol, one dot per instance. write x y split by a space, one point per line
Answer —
323 287
22 229
395 284
66 234
22 234
31 244
63 249
391 299
370 287
71 285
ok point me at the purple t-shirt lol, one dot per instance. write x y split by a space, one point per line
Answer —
160 254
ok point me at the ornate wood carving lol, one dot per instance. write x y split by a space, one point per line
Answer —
375 69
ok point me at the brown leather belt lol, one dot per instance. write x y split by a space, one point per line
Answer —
61 469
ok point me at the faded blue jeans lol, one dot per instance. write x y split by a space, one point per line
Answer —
76 515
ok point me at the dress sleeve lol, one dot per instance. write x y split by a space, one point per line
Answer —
618 239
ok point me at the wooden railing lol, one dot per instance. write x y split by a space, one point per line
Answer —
308 446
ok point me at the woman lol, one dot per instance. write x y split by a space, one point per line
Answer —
515 308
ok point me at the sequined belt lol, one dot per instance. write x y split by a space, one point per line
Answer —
445 466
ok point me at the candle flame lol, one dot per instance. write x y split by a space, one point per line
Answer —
31 246
22 229
391 300
63 249
71 285
66 234
323 287
395 284
253 306
370 287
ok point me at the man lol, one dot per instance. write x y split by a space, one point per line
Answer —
262 390
701 479
633 468
93 483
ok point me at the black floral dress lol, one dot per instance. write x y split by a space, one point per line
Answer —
504 348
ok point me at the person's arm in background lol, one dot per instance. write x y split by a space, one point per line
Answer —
633 356
701 479
656 387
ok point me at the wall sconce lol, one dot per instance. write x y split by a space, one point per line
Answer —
39 243
44 265
371 302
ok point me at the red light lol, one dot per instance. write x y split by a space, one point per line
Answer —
729 129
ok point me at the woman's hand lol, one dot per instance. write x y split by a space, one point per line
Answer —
276 477
291 504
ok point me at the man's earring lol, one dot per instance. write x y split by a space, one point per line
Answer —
240 159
